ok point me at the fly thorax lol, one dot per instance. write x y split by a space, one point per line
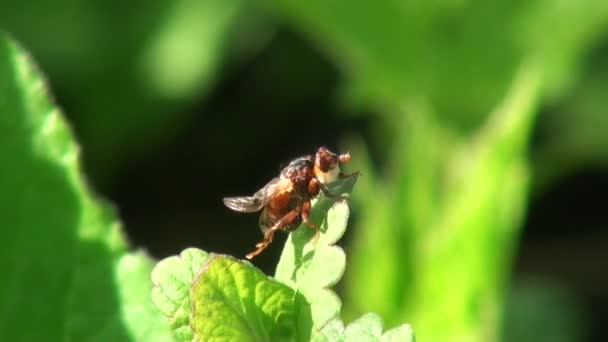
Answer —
329 176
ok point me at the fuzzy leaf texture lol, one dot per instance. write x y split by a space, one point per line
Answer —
312 269
172 278
67 275
210 297
365 329
234 300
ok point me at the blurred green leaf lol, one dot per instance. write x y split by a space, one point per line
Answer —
573 132
393 51
459 55
540 310
126 76
185 54
408 193
563 52
67 271
140 316
443 260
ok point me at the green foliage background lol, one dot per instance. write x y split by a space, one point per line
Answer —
450 93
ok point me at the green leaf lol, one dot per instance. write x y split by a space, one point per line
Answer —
66 270
133 72
311 269
232 300
40 241
437 50
402 50
365 329
137 311
172 279
185 54
447 232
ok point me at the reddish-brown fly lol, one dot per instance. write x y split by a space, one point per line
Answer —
285 200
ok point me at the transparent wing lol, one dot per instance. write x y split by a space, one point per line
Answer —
244 204
250 204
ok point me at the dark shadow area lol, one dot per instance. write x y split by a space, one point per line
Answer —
565 239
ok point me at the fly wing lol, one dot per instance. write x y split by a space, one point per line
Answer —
250 204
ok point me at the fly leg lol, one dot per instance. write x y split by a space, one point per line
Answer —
269 234
310 224
348 175
328 193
